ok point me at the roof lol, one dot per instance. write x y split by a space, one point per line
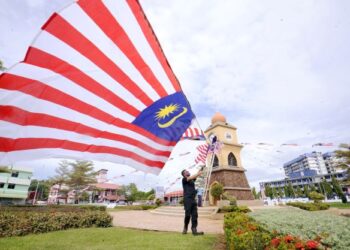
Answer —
106 185
174 193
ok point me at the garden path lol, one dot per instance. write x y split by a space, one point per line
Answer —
148 221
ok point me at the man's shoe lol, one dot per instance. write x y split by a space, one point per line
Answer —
184 231
195 232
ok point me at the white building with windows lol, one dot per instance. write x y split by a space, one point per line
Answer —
307 164
14 185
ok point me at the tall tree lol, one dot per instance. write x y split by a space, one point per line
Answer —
290 190
81 176
43 188
268 191
343 154
338 190
298 192
327 189
62 173
306 191
254 193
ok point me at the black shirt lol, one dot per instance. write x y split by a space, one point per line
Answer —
189 188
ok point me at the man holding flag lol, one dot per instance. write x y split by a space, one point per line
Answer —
190 204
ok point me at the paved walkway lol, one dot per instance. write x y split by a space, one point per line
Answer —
149 221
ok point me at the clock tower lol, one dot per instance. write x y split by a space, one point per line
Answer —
227 166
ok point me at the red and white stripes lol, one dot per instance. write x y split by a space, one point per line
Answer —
92 69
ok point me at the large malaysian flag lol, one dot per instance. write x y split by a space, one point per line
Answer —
95 84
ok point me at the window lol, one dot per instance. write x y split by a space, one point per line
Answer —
232 161
2 185
11 186
14 174
216 162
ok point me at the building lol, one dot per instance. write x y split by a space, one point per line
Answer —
332 162
309 169
101 191
14 185
307 164
302 181
227 165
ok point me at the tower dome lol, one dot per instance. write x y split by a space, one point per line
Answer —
218 117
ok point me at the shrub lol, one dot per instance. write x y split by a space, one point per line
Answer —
242 232
333 229
147 207
181 200
158 202
316 197
232 199
216 190
309 206
18 223
241 209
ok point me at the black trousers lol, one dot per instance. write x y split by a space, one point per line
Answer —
191 212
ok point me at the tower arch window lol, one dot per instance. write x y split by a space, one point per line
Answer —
215 162
232 161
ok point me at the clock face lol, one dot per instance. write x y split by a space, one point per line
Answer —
228 136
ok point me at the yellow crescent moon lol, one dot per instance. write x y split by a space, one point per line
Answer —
169 123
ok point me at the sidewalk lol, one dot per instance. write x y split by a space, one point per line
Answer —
147 220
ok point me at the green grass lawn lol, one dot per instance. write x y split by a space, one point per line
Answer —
333 229
109 238
339 205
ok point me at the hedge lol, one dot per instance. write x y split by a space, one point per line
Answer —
22 222
233 208
309 206
52 208
242 232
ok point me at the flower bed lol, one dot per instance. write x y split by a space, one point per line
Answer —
18 222
244 232
331 230
309 206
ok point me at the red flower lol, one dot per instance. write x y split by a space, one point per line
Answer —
288 238
275 242
299 245
239 231
311 244
252 227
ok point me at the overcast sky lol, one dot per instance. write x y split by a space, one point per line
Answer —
278 70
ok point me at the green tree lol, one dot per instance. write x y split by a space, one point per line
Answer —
81 175
327 188
316 197
290 191
255 195
268 191
216 191
306 191
43 188
84 196
299 192
343 154
338 190
313 188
